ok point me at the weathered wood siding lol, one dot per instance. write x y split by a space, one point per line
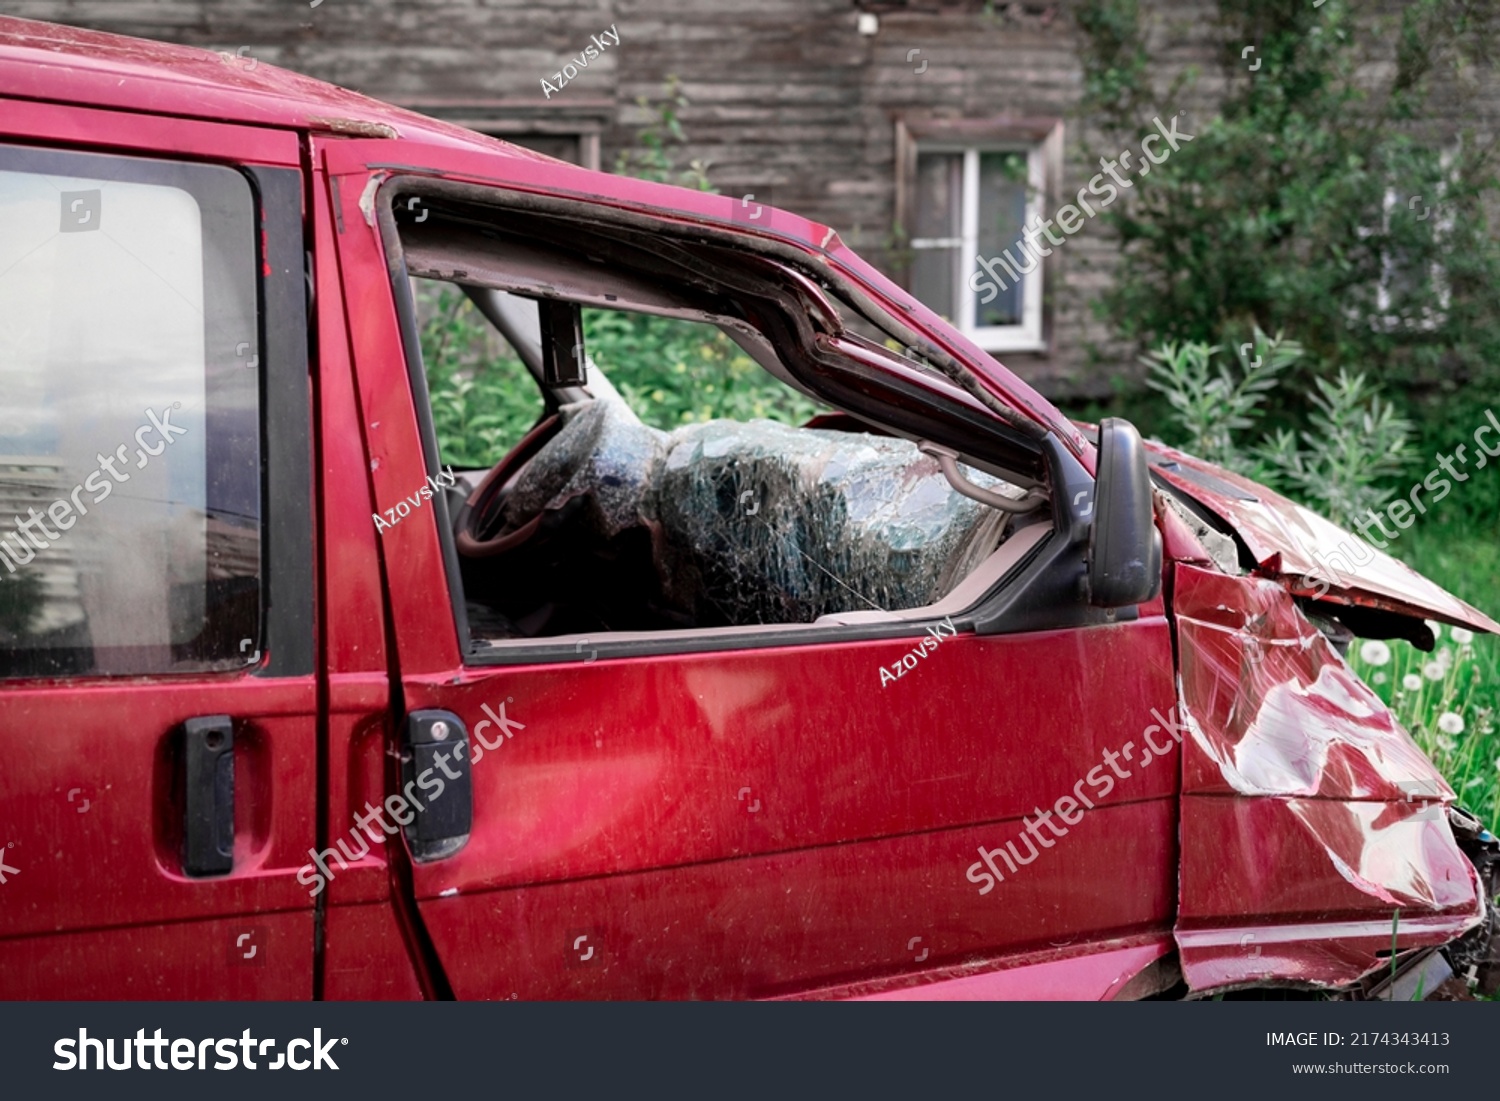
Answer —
788 99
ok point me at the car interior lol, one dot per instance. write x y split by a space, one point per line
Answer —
596 521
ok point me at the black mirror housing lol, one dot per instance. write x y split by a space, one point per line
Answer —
1124 563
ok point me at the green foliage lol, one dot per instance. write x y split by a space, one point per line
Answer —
670 372
1211 400
1355 443
1447 701
652 160
676 372
1309 190
483 398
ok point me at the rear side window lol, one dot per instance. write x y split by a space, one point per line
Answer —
130 493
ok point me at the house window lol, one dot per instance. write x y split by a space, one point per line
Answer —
969 194
1405 277
570 134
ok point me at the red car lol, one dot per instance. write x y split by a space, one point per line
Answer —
936 696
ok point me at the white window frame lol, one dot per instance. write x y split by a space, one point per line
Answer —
1027 335
1041 140
1431 319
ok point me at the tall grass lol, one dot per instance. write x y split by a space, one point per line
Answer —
1449 699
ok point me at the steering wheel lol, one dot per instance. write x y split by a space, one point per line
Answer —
485 525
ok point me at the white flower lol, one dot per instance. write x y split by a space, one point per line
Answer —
1374 652
1451 722
1435 627
1379 678
1446 744
1497 764
1433 670
1411 682
1462 635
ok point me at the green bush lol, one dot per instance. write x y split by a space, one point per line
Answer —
677 372
670 372
483 398
1318 199
1340 467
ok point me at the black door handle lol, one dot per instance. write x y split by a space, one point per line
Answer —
435 777
208 796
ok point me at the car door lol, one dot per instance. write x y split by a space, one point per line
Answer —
763 816
159 704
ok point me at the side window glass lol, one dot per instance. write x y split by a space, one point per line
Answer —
130 495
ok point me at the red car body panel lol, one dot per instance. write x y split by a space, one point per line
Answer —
768 822
1303 802
1299 547
1054 976
90 794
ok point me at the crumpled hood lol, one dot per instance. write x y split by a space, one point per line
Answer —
1303 550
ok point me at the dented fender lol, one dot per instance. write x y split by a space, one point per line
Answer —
1311 556
1304 803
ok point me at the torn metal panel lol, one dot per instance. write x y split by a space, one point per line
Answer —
1304 802
1312 555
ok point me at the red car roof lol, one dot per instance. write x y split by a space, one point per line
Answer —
45 61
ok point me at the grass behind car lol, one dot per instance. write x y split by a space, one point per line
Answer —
1449 699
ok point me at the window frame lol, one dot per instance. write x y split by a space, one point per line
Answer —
1041 140
1037 592
1431 320
514 120
283 475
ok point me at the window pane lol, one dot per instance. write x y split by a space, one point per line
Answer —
129 426
938 223
1002 215
932 280
939 198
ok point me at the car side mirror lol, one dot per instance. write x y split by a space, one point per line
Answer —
562 343
1124 543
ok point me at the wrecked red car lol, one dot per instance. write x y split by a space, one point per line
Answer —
938 695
